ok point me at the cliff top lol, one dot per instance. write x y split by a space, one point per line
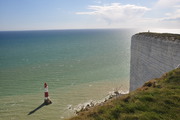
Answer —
156 99
164 36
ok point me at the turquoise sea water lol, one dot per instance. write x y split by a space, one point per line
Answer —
78 65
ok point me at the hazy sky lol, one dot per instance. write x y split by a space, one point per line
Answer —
80 14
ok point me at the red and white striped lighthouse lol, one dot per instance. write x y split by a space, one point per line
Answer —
47 101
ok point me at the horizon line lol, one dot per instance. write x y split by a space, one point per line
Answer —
63 29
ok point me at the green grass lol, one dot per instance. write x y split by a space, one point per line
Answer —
168 36
158 99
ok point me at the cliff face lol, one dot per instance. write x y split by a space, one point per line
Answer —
152 54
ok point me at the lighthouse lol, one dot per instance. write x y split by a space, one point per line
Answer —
47 101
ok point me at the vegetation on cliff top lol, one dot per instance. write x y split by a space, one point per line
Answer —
167 36
157 99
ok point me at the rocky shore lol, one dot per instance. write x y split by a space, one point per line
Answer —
90 104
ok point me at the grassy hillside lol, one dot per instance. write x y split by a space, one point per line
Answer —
157 99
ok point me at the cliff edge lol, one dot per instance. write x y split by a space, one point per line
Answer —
152 54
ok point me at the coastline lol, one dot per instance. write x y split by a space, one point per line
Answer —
17 107
154 97
93 103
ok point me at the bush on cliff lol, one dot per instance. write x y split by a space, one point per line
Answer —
157 99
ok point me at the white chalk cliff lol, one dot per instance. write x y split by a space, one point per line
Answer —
152 54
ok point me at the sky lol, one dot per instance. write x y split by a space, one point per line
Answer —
88 14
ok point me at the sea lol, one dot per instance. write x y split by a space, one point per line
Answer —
78 66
